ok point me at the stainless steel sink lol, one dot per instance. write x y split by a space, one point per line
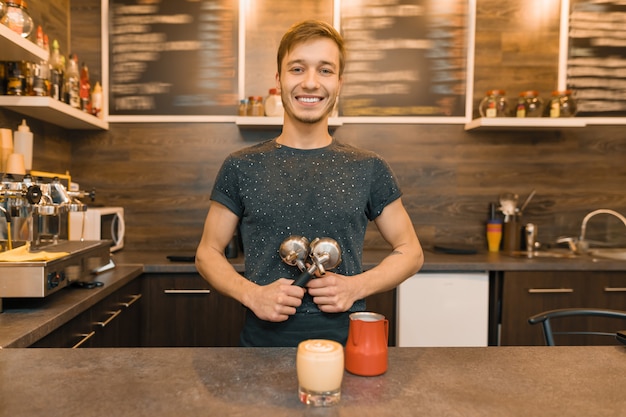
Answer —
550 253
618 254
555 253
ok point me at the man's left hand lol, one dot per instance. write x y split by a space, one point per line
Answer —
332 293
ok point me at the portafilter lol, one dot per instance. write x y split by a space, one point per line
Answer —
324 254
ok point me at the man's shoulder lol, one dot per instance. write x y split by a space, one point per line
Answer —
355 151
256 149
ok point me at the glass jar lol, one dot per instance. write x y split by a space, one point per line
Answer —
243 107
16 17
255 106
16 76
562 104
494 104
529 104
273 104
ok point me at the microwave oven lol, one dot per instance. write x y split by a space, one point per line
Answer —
98 223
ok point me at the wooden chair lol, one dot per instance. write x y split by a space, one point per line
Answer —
546 317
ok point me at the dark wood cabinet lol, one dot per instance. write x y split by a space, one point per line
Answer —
78 332
114 321
183 310
170 310
527 293
118 320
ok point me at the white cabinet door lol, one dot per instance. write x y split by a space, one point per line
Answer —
443 309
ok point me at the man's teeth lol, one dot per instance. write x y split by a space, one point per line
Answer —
309 99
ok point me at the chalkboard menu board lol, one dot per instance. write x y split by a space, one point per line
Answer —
174 58
180 58
597 57
405 57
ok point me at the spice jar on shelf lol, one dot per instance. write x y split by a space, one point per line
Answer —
494 104
562 104
243 107
255 106
529 104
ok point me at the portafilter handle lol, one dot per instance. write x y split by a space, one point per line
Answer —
325 255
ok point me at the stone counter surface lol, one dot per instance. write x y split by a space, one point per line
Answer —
21 327
492 381
157 262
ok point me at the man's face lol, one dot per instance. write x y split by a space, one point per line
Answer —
309 81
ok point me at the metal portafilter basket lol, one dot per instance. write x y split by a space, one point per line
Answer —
323 253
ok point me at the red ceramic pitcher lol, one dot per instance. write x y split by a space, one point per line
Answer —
366 348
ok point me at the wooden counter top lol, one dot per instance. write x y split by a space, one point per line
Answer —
492 381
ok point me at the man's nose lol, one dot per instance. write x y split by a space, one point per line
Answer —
311 80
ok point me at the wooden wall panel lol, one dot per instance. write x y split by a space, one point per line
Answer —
163 173
53 18
517 45
86 36
266 21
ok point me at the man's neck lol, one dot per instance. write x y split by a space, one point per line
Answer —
300 135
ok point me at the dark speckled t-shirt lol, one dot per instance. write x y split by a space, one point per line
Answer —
278 191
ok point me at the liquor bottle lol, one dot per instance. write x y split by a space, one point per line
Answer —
57 70
39 36
72 82
85 89
41 71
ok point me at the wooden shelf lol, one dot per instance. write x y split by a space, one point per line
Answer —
15 48
530 123
53 111
615 121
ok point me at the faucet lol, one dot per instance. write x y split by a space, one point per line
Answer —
583 227
580 245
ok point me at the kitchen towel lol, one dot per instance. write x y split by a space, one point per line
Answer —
23 254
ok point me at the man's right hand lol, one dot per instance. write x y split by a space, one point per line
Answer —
276 301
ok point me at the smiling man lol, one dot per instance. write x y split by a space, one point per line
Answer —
305 183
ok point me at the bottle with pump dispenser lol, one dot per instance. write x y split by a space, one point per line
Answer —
23 144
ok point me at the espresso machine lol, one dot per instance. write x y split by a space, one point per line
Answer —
36 208
34 221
